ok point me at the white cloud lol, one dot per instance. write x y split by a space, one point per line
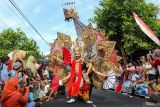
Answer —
58 27
46 53
156 2
38 9
48 37
42 45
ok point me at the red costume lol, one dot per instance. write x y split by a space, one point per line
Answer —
77 86
74 86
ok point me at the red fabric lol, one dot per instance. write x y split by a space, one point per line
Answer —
11 97
125 78
155 62
119 87
10 65
85 87
55 84
73 86
66 56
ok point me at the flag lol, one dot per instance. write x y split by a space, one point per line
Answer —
145 28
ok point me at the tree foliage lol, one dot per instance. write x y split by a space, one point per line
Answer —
115 17
11 40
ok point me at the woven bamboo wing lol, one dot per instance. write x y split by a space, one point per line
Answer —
108 46
88 35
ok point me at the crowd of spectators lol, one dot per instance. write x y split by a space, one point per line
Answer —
23 87
143 78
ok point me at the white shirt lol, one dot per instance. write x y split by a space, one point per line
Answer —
46 88
158 67
150 69
135 77
4 73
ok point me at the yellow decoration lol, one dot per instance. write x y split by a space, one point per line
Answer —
61 73
158 87
111 65
108 46
64 40
119 58
88 35
56 54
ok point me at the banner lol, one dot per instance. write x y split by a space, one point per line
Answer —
145 28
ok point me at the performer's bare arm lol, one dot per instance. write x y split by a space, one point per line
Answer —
66 78
98 73
89 68
140 81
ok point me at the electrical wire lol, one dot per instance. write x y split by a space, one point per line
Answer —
14 12
27 20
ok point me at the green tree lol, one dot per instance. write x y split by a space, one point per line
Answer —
115 17
11 40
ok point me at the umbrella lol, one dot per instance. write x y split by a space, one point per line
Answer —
109 82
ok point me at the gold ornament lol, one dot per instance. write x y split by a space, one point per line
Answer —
54 55
108 46
88 35
64 40
61 73
112 66
70 13
119 58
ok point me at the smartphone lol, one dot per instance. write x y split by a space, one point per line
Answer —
28 81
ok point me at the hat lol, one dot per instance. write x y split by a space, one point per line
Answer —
17 65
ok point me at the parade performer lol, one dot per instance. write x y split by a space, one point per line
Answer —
78 86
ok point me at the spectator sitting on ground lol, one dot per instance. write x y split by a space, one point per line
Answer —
42 93
47 87
31 102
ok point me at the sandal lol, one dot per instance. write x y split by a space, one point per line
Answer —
47 100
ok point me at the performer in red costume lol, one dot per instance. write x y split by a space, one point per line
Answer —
78 85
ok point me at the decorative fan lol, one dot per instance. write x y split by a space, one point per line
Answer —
110 81
66 56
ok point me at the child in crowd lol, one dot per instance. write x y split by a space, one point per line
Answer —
32 102
47 87
42 93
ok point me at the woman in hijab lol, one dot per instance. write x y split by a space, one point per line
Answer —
11 97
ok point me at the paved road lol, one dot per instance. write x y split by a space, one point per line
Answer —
101 99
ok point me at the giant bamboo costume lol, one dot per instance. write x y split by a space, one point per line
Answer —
89 37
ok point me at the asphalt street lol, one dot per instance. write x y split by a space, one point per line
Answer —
101 99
